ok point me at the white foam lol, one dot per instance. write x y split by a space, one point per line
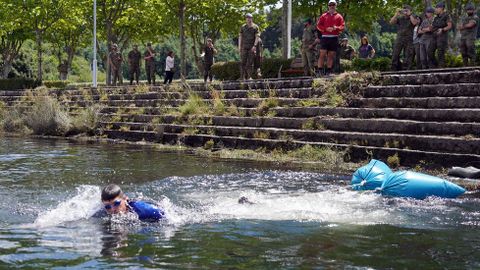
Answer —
332 206
81 206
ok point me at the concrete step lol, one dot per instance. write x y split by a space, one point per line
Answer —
315 123
424 90
448 115
454 77
424 102
417 142
239 102
433 70
407 157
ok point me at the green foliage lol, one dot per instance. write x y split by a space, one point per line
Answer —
18 83
226 70
47 117
375 64
56 84
393 161
270 67
209 145
87 120
453 60
194 106
314 153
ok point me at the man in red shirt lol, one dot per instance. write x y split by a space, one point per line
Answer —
330 24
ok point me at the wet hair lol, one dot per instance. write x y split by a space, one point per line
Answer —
170 53
110 192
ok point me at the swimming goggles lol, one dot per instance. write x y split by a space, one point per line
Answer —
115 204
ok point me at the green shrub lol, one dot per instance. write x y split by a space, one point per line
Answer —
46 117
453 60
226 70
12 121
231 70
375 64
193 106
18 83
270 67
56 84
87 120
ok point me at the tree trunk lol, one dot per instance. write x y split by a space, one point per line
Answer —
38 38
6 68
183 70
10 49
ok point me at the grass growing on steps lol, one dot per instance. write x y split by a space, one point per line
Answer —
337 91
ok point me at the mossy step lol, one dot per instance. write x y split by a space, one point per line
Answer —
433 70
425 90
315 123
171 103
409 141
423 102
454 77
407 157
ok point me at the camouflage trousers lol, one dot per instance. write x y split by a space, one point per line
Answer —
439 45
405 44
150 71
308 61
247 57
467 49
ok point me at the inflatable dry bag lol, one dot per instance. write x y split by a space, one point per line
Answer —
419 186
370 176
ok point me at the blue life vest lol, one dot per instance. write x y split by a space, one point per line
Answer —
370 176
146 211
419 186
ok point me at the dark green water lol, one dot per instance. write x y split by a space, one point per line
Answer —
301 220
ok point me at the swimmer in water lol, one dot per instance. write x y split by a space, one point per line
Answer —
244 200
116 202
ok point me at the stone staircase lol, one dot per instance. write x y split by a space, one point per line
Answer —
428 116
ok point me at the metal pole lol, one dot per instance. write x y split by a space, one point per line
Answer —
94 64
289 29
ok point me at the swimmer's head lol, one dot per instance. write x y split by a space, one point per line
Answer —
114 200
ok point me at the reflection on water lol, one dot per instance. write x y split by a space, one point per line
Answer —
298 219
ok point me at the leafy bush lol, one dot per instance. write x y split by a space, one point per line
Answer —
453 60
375 64
56 84
231 70
18 83
46 117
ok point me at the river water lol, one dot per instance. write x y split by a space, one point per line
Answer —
299 219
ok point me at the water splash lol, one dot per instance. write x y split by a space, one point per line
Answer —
81 206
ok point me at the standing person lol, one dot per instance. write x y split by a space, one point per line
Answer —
149 57
468 30
405 21
257 61
426 39
247 45
208 56
442 23
169 67
347 52
116 60
134 64
309 41
417 36
330 24
366 51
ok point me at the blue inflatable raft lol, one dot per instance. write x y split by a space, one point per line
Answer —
419 186
370 176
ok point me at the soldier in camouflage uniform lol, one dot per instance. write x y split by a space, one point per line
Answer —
257 62
134 64
149 57
309 42
442 23
468 30
248 42
116 60
426 39
405 21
